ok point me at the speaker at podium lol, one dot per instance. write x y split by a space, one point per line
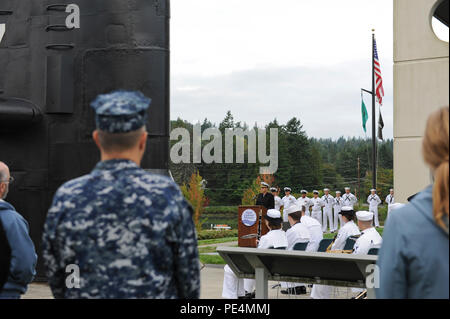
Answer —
251 225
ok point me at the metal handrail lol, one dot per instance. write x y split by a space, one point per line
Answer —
56 7
57 27
60 46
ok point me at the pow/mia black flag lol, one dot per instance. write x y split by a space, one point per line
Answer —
380 127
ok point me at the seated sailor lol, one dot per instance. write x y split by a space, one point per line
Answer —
370 238
315 230
234 287
348 230
298 233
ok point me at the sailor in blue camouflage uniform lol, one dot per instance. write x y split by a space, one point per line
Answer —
129 232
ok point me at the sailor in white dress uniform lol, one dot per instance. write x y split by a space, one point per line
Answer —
287 201
304 200
338 204
370 238
315 231
316 207
298 233
277 199
347 230
348 198
234 287
328 201
390 200
374 201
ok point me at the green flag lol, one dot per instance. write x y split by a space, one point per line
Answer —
365 115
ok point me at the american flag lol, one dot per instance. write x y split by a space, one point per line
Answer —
378 78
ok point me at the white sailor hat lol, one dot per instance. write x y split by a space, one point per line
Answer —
292 209
347 210
326 189
315 192
396 206
264 184
287 189
274 216
273 189
273 213
338 192
364 216
347 188
391 190
304 191
373 190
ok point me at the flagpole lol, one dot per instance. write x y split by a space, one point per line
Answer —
374 145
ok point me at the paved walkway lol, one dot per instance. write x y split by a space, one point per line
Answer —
228 244
211 287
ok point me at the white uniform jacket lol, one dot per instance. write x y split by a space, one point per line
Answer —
278 203
316 204
369 239
349 200
286 202
304 202
315 232
298 233
390 199
328 201
338 203
373 200
349 229
273 239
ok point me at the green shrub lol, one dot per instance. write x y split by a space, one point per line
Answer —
221 210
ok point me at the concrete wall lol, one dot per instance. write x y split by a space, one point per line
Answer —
421 80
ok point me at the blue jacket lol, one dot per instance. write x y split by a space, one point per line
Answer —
23 254
414 258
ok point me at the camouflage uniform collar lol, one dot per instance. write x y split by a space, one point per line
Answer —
115 164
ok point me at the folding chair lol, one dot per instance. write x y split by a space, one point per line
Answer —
350 243
301 246
323 245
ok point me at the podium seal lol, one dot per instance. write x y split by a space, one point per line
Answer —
248 217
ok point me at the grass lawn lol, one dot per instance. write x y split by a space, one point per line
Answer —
217 260
212 260
216 241
207 249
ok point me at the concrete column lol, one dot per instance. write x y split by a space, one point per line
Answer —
421 80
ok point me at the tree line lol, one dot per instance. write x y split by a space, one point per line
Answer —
304 163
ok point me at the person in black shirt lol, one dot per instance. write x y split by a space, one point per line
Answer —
265 198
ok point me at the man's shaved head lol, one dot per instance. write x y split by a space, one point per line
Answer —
119 142
4 180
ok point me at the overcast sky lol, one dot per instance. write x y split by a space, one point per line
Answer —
265 59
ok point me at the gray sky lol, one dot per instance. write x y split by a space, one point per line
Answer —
265 59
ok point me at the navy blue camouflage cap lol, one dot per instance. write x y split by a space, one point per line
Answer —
121 111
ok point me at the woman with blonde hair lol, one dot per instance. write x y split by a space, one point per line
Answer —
414 259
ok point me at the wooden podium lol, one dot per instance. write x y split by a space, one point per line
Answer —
250 221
